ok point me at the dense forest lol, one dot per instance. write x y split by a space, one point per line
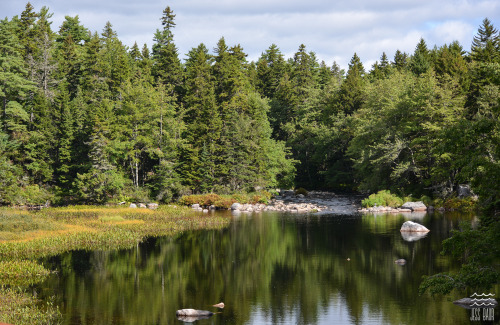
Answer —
85 119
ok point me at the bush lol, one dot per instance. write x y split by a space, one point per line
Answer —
301 190
382 198
465 204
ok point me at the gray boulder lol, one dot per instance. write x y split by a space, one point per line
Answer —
132 205
236 206
142 205
195 206
410 226
414 206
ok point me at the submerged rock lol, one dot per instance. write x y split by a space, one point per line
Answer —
401 261
219 305
193 312
410 226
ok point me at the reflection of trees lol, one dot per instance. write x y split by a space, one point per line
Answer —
280 265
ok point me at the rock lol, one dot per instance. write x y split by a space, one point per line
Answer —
464 190
401 261
414 206
122 203
412 236
219 305
410 226
152 206
478 302
195 206
300 196
403 210
205 210
236 206
142 205
193 312
132 205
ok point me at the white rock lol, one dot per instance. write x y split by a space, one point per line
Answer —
410 226
132 205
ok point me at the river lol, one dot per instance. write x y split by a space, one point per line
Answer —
268 268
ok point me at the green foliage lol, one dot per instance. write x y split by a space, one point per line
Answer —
477 250
382 198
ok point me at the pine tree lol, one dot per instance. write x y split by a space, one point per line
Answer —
420 60
400 60
486 44
167 67
351 90
14 85
71 26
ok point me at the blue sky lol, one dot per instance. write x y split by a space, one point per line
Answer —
334 29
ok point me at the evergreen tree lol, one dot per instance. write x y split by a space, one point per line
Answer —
486 44
167 67
351 90
420 60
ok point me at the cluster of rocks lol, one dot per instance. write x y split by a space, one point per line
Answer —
289 201
278 205
407 207
152 206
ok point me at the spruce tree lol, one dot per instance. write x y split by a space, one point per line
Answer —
167 67
486 44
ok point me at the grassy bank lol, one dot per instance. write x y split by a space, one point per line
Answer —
26 236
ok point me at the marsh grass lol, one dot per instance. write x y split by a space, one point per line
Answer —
20 308
26 237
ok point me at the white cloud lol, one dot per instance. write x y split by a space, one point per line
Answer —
334 30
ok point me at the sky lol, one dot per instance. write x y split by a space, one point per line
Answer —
333 29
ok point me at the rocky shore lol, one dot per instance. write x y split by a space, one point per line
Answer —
288 201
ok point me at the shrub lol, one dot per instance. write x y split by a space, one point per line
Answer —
382 198
301 190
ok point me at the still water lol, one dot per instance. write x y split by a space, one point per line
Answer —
267 268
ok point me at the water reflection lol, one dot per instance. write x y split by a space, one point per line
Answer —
268 269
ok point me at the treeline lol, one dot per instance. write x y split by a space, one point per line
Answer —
85 119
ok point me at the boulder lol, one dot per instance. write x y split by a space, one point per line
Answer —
464 190
195 206
414 206
401 261
132 205
142 205
412 236
410 226
152 206
236 206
